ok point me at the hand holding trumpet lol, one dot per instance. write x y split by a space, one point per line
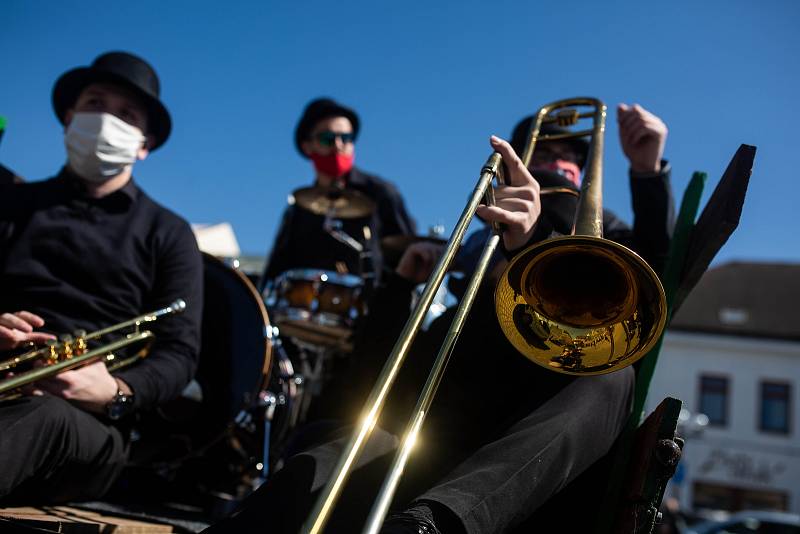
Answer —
17 329
91 386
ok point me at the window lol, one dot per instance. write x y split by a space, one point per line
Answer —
775 407
714 399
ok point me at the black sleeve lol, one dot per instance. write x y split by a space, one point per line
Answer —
392 213
389 309
654 218
172 362
277 261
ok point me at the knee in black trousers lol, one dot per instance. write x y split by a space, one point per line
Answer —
54 452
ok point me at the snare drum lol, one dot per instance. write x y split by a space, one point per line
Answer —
316 306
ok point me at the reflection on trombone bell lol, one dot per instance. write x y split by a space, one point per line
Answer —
580 305
576 304
71 352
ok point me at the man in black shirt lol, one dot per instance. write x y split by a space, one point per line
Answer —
326 135
87 249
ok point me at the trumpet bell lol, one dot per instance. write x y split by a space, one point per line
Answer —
580 305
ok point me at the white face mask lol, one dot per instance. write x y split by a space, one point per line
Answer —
101 146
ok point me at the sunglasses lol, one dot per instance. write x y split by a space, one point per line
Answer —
329 138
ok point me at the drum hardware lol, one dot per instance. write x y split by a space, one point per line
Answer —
233 263
72 352
333 228
573 326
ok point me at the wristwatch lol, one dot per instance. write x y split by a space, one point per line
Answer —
120 406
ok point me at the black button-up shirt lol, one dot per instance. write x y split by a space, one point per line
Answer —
86 263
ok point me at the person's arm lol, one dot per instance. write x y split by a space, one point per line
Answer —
643 138
277 260
171 364
653 216
392 213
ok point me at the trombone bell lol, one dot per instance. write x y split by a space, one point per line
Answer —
580 305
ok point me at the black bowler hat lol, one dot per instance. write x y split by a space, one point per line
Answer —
316 110
521 130
119 68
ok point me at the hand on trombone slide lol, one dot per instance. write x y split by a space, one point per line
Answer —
517 203
517 206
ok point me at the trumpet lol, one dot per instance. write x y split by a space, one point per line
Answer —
576 304
75 351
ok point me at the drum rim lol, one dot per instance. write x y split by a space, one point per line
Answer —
267 333
319 318
315 275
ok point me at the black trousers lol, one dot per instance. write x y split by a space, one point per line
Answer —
492 469
54 452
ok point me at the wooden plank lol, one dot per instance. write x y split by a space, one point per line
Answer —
73 520
654 457
717 222
40 518
115 524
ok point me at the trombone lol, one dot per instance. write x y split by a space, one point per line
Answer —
576 304
71 352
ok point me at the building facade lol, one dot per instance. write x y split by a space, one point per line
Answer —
732 355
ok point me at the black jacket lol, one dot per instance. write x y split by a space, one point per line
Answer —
301 241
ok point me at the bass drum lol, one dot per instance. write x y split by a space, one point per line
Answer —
237 349
212 446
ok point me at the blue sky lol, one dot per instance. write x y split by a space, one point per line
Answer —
431 81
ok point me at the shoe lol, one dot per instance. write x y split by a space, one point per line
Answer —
405 523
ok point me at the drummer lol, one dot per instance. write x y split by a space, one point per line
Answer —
367 210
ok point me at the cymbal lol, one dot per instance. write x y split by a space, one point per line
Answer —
393 246
339 203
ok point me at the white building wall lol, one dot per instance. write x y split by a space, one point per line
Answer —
739 454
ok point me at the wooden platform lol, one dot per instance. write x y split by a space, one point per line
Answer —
69 520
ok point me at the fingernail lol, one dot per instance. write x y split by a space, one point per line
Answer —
494 139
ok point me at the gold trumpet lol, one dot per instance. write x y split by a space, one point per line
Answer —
71 352
576 304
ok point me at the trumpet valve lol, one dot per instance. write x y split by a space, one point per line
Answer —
80 346
67 349
52 352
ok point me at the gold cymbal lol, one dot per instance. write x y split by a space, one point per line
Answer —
334 201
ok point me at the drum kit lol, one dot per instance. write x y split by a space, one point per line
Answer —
264 359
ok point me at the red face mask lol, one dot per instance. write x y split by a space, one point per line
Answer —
567 169
335 165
